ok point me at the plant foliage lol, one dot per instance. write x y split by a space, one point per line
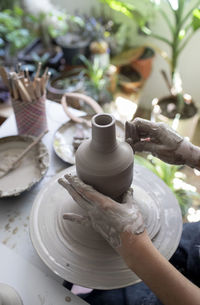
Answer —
130 9
13 28
171 175
96 80
185 22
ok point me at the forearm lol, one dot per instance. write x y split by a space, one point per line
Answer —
170 286
189 153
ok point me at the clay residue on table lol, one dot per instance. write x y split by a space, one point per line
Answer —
32 167
68 299
15 230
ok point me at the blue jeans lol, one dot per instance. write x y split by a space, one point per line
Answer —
186 259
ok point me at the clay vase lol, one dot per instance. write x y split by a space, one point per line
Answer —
9 296
103 162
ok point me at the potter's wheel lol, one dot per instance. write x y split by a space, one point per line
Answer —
80 255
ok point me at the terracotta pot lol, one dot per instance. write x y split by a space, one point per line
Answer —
130 87
129 79
103 162
143 65
186 125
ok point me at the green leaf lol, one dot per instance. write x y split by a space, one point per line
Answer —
196 19
146 163
19 39
78 20
18 11
167 173
127 9
2 43
121 7
184 200
182 34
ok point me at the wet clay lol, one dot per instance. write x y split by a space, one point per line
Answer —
103 162
9 296
32 167
163 142
108 218
78 253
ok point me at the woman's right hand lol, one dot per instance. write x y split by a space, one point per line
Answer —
162 141
156 138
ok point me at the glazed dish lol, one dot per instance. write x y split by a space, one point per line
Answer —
31 168
64 138
80 255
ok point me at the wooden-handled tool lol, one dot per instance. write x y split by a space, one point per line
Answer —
20 85
15 163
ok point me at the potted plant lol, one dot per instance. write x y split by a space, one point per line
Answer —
90 79
97 81
72 80
141 15
75 42
46 26
143 64
14 31
174 178
186 23
129 79
177 105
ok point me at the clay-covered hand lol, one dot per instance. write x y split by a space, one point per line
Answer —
162 141
106 216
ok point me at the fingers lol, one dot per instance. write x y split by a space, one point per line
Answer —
145 146
131 134
74 194
158 132
145 128
128 196
82 220
90 194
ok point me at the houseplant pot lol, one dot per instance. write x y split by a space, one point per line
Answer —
73 45
129 79
143 65
70 81
165 110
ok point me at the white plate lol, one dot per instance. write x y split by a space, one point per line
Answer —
31 169
80 255
64 136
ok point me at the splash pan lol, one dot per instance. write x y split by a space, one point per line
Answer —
80 255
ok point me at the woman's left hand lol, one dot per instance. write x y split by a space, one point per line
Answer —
106 216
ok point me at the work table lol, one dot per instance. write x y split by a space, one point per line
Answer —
38 283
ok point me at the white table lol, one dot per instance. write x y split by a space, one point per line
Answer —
14 223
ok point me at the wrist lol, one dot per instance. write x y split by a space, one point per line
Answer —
189 153
131 245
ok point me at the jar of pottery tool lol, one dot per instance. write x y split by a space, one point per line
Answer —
28 100
30 116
